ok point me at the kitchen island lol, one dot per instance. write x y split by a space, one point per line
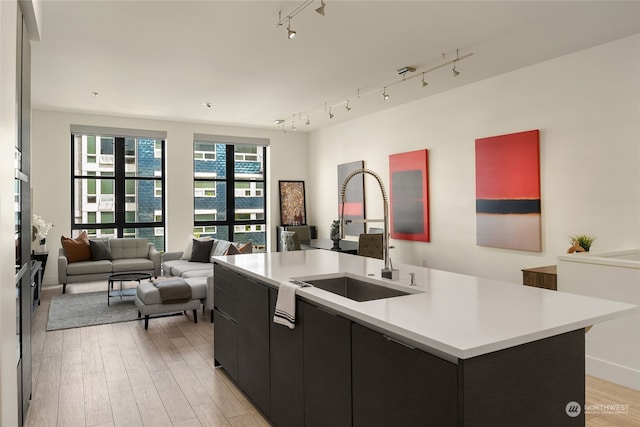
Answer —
455 350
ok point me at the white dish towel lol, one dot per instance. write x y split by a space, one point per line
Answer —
285 313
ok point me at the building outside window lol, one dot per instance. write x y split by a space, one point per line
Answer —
118 184
221 164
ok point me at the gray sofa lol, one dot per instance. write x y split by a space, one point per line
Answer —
127 256
197 274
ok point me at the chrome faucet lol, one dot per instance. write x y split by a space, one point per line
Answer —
387 272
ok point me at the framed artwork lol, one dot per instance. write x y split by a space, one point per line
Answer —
409 195
508 211
293 210
354 197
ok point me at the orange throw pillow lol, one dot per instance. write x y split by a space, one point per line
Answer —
77 249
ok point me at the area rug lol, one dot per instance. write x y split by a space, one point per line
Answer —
88 309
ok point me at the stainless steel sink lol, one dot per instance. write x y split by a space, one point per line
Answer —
355 289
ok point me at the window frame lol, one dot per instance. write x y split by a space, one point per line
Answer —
122 180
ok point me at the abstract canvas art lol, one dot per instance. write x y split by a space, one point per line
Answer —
508 211
292 203
409 196
354 201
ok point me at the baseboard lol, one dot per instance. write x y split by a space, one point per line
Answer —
615 373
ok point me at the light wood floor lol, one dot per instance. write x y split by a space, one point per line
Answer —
122 375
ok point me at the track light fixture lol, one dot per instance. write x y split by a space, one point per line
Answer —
456 73
287 18
405 72
290 33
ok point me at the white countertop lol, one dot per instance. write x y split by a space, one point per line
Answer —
452 315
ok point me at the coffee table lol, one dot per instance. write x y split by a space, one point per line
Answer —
124 277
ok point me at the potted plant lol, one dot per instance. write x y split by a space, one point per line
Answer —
580 243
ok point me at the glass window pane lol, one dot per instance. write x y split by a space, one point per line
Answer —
142 157
209 160
106 186
106 145
217 232
248 163
87 200
107 217
91 144
86 160
144 204
211 196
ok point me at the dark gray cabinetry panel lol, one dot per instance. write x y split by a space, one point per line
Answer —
287 399
241 333
225 326
252 304
225 335
529 385
327 368
397 385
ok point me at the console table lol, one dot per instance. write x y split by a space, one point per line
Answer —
541 277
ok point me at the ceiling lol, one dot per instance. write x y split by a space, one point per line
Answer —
167 59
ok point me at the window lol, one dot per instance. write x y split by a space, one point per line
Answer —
229 183
118 184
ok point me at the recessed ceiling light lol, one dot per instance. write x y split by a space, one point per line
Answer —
278 122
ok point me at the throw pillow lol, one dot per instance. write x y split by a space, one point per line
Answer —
237 249
77 249
201 250
221 247
100 250
186 254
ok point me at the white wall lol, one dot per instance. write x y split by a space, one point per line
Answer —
587 107
8 380
51 171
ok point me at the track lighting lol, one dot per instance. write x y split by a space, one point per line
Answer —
405 72
302 6
456 73
290 33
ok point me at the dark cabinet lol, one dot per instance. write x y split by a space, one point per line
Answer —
225 332
225 325
241 333
287 399
389 375
327 368
252 305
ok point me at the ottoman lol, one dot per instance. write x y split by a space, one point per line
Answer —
149 302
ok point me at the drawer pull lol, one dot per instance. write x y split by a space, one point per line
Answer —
388 338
